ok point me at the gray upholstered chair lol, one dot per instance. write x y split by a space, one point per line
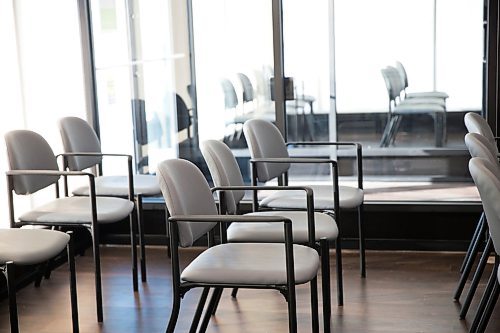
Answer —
480 147
418 95
486 176
20 247
477 124
227 265
83 150
226 175
266 145
432 106
33 167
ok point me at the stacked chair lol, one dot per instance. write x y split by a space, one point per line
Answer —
308 226
270 160
403 104
33 167
279 266
82 151
19 247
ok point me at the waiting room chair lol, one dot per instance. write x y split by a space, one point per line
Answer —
486 176
270 160
228 265
397 109
477 124
82 150
480 147
34 167
421 94
322 227
20 247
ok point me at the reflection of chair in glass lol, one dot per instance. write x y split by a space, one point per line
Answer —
19 247
37 169
267 145
234 117
242 265
226 173
83 150
247 91
399 108
422 94
486 176
184 118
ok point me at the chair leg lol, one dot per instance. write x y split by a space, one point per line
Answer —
210 309
142 244
470 263
488 310
477 277
484 299
234 293
325 284
199 310
11 290
472 242
292 308
314 305
176 305
133 247
72 284
98 283
361 227
216 305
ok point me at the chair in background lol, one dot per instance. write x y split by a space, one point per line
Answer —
267 145
234 117
34 167
421 94
398 109
184 117
477 124
19 247
486 176
82 150
228 265
322 227
247 91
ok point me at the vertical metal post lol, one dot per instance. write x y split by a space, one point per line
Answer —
192 65
434 45
279 71
491 63
332 119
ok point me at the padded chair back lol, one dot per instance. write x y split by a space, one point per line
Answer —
186 192
477 124
78 137
402 73
247 86
230 97
224 170
183 117
265 141
28 150
487 179
479 146
391 84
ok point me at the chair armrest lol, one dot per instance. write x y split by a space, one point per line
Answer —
129 165
228 218
309 200
359 153
47 173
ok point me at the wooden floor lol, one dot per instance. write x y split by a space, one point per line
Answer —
403 292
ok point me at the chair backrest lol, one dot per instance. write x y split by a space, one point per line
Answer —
477 124
402 73
392 83
487 179
247 86
479 146
224 170
230 97
183 116
265 141
27 150
186 192
79 137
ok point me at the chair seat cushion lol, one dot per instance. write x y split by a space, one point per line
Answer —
117 186
325 226
438 94
77 210
417 108
30 246
251 264
350 197
425 100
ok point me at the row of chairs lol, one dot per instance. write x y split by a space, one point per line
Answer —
485 170
242 260
401 103
106 199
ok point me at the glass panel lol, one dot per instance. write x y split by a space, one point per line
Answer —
134 69
234 65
